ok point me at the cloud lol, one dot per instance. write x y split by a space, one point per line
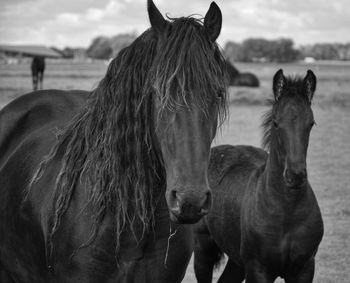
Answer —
75 23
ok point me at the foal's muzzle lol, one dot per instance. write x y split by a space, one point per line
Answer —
295 179
189 206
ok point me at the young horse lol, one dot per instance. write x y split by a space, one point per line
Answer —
38 68
265 216
88 188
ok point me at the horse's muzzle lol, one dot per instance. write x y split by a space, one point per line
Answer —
189 207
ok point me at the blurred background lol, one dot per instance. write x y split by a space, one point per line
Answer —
78 38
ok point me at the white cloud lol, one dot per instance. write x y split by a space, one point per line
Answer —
94 14
68 22
68 18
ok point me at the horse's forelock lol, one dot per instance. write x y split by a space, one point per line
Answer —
190 68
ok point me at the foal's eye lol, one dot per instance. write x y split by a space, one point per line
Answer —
220 94
313 123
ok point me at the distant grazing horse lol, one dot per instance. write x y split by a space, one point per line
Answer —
265 216
38 68
236 78
93 188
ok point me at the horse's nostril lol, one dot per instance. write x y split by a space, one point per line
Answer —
206 204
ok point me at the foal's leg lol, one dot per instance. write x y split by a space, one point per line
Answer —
206 255
305 275
257 273
233 273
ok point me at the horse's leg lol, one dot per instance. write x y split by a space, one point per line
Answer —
233 273
257 273
305 275
206 255
41 74
35 82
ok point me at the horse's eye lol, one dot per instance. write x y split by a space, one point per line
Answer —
313 123
275 124
220 94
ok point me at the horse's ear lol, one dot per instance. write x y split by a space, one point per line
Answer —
278 83
213 21
310 84
155 17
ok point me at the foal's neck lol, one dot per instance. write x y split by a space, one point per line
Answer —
273 185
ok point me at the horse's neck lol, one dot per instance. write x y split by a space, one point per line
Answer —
273 174
272 186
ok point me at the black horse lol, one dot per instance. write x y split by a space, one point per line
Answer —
93 188
236 78
265 216
38 68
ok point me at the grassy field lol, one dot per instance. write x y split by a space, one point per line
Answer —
329 149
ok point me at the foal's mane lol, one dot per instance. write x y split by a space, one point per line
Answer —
293 86
108 147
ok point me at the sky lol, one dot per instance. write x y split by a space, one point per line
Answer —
75 23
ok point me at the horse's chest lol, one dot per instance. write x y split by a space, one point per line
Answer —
282 251
157 257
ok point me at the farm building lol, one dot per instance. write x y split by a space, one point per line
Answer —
13 53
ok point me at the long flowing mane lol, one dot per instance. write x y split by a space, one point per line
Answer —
293 86
108 147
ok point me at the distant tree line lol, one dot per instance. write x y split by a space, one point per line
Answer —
108 47
101 47
250 50
260 49
327 51
283 50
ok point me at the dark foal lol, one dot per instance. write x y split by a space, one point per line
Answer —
265 216
38 68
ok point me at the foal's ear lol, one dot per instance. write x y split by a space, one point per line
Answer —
155 17
278 83
213 21
310 84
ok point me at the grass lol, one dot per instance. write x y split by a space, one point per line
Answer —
329 149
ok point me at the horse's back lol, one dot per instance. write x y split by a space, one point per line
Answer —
230 170
228 161
35 112
247 79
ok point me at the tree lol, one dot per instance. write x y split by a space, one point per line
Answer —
260 49
121 41
100 48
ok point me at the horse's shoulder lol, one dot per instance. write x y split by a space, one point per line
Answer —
34 114
225 158
40 107
45 97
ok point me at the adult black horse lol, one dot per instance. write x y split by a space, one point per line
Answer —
236 78
265 216
88 187
38 68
